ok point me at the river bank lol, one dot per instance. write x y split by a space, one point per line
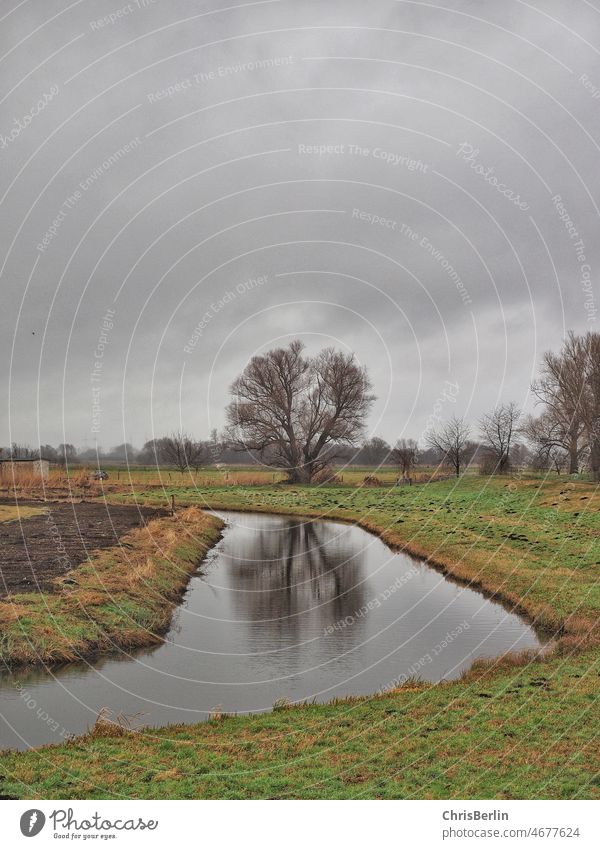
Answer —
121 597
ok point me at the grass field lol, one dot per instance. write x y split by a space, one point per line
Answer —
254 475
514 728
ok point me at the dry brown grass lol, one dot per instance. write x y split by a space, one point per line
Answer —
507 661
109 724
121 597
10 513
11 612
78 482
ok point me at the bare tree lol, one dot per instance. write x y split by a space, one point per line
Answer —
451 442
561 388
405 455
125 452
295 409
546 438
180 450
201 454
498 429
590 406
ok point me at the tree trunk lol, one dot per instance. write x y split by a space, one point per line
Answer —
298 475
504 464
573 457
595 459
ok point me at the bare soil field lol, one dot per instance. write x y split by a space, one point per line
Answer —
35 550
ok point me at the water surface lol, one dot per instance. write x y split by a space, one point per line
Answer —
284 608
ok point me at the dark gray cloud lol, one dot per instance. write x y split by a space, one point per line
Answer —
185 184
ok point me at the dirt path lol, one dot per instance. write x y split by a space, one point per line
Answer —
40 548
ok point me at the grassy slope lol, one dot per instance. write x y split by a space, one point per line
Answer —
528 731
121 597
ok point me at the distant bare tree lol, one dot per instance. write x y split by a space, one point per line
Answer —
180 450
201 454
215 447
19 451
472 452
67 454
295 409
48 452
520 455
149 454
373 452
125 452
451 442
498 430
405 455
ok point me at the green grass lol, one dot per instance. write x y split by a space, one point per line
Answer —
516 728
530 732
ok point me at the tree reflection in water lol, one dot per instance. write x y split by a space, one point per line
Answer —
293 571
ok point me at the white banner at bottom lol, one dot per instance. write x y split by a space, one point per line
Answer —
266 824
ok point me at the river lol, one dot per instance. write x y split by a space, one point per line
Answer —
283 608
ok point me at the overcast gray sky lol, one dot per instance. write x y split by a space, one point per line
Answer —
184 184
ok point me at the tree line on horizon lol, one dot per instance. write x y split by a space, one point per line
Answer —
305 414
299 411
564 435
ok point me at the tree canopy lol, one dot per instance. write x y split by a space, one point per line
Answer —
295 408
